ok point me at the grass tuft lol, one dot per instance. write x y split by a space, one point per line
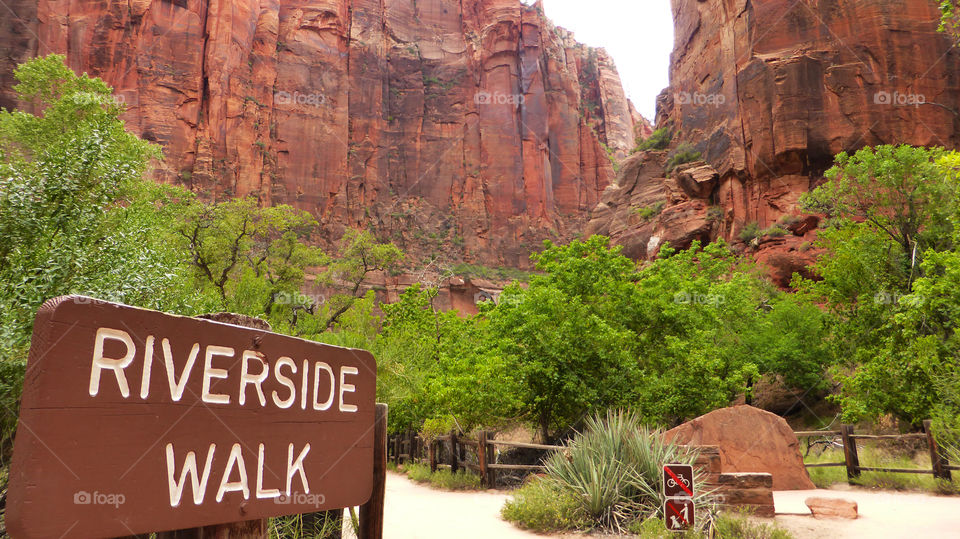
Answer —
443 479
543 506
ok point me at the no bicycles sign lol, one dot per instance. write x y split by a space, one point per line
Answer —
135 421
678 508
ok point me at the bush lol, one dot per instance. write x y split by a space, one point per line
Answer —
543 506
462 480
658 140
443 479
775 231
684 153
738 526
716 213
614 469
649 212
725 526
750 232
418 472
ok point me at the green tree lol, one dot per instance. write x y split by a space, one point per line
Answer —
358 256
887 261
249 255
75 214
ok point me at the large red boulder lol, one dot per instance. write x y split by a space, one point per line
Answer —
750 440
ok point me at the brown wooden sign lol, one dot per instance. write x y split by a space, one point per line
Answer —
135 421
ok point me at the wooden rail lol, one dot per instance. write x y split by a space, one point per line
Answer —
449 452
851 459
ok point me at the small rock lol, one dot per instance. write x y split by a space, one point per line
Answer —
832 508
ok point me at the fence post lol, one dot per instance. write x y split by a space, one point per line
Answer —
491 458
371 513
412 446
482 457
850 452
396 449
940 462
454 464
432 454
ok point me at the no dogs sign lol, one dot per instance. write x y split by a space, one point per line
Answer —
134 421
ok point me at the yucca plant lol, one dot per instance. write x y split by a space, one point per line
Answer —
615 466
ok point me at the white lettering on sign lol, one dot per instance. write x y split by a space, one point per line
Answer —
235 466
210 373
234 460
254 379
285 381
325 405
347 388
189 469
116 365
115 351
177 386
255 371
261 492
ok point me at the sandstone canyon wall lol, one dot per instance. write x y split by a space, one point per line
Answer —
476 127
769 91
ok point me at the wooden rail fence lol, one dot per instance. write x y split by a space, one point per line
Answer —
851 459
450 452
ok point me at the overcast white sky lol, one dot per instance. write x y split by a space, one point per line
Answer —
637 33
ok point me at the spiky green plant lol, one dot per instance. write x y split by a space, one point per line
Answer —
615 466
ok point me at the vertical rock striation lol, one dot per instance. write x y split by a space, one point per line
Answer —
477 127
769 92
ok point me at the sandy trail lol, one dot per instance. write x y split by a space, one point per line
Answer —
415 511
882 514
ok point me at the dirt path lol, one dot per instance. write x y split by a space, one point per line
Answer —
415 511
882 514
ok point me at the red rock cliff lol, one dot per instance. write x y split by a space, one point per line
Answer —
477 127
769 91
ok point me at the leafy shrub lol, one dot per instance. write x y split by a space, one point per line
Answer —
307 526
725 526
750 232
775 231
418 472
684 153
614 469
443 479
658 140
715 213
649 212
462 480
543 506
738 526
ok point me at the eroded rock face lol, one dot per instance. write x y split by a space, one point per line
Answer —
750 440
770 91
467 126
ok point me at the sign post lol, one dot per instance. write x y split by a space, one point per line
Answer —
678 488
134 421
